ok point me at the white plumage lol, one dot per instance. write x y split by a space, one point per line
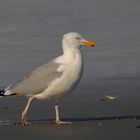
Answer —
56 78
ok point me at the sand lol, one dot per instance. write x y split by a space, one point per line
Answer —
30 35
92 115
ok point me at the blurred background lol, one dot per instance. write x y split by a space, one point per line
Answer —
31 33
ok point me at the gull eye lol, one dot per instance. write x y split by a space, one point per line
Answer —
78 38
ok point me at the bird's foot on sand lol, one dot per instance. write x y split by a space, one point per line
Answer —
62 122
26 124
24 121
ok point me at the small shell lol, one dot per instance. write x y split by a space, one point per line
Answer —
111 97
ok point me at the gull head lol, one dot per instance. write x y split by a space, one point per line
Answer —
74 39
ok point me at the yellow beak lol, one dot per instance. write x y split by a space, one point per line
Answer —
89 43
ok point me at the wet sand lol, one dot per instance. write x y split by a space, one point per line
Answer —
30 35
92 115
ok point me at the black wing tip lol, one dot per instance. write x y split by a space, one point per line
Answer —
2 92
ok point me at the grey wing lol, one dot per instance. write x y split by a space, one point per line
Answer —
38 81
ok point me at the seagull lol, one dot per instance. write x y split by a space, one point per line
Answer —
54 79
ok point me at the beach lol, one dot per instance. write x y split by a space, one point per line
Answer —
92 115
30 35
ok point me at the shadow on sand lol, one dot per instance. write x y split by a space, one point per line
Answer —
89 119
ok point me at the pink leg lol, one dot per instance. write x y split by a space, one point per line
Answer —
57 116
24 122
